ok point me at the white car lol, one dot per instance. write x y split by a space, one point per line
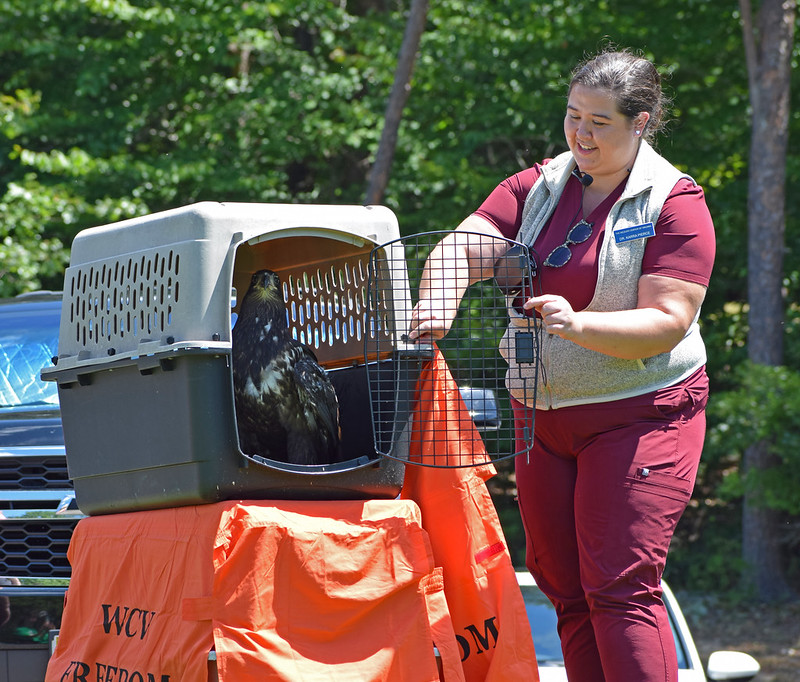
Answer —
722 665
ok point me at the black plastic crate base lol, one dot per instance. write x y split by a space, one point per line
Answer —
173 417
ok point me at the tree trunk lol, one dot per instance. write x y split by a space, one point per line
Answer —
768 48
379 175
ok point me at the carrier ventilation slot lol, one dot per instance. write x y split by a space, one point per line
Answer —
133 297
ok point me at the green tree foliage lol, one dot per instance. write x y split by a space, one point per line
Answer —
115 108
765 406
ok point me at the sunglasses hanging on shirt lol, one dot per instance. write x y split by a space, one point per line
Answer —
577 234
560 255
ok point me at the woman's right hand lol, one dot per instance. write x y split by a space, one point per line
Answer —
431 320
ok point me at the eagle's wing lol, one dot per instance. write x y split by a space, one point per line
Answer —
320 395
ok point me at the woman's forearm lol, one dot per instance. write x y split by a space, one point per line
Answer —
465 256
665 311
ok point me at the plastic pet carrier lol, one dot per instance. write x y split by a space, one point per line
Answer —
144 368
477 425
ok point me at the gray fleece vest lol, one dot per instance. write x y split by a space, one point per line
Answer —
568 373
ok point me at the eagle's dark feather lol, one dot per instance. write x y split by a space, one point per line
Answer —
286 406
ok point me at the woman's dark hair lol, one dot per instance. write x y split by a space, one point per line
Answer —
632 81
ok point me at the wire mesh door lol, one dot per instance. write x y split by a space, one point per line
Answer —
462 411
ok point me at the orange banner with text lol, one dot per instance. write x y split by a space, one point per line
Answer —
486 606
282 590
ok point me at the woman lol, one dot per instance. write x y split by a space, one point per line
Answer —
623 245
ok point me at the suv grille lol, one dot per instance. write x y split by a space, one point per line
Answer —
34 472
35 548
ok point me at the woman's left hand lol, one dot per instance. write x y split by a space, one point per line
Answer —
557 314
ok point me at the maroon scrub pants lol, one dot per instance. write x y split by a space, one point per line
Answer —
600 494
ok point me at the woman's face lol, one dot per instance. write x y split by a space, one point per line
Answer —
603 141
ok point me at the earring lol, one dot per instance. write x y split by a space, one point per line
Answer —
637 132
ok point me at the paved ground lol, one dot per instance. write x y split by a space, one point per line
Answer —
770 633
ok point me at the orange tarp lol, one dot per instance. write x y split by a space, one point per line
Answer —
485 603
283 590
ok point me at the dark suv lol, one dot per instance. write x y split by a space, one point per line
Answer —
37 507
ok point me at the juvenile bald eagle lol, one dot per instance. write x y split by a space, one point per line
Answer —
286 406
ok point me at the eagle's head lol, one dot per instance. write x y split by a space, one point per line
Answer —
263 303
265 287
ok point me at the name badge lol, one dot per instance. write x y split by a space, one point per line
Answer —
627 234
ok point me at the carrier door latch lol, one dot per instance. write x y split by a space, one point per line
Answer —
525 347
